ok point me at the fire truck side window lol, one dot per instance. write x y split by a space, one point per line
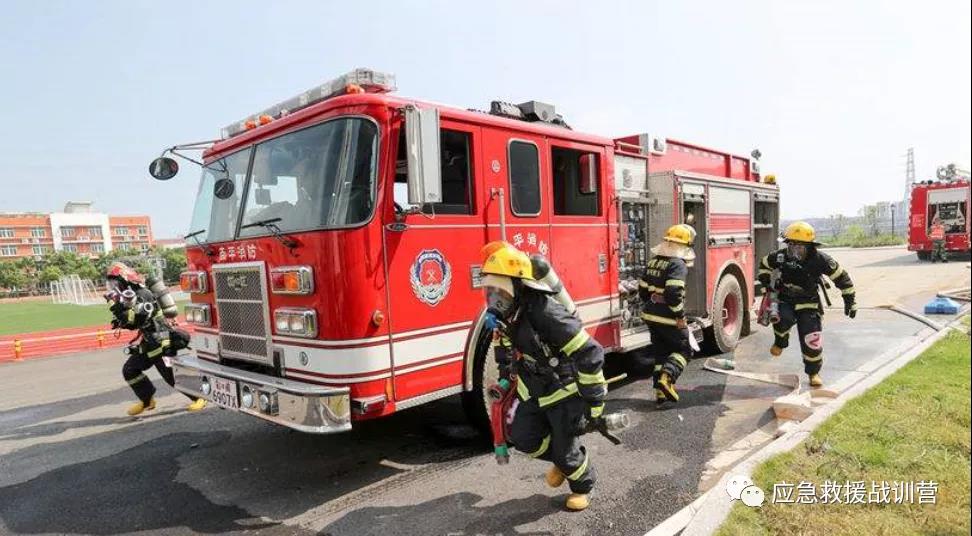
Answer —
456 154
524 178
569 199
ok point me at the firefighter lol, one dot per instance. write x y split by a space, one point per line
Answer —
937 236
134 307
799 267
553 358
662 291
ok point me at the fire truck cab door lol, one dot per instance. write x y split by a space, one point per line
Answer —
517 203
431 252
581 249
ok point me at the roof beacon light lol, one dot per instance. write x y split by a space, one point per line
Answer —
357 81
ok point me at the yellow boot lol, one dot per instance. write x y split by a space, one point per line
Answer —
578 501
197 405
140 406
660 397
775 351
667 386
554 477
815 380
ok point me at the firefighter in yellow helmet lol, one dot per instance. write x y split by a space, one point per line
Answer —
662 291
553 358
797 271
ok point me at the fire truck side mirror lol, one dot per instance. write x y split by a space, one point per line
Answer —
424 164
163 168
588 172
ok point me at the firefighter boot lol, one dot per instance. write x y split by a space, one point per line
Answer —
577 502
660 397
775 351
667 386
197 405
554 477
140 406
815 380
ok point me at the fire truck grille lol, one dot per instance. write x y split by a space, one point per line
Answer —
241 308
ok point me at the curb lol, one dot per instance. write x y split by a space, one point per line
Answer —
706 513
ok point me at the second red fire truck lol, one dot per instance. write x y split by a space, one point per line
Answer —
946 199
335 241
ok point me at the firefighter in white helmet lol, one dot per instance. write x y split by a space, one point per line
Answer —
800 267
554 359
662 291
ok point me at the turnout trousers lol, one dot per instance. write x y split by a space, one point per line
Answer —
806 316
140 360
669 349
550 434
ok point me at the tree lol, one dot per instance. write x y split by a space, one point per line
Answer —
837 224
12 276
175 263
50 274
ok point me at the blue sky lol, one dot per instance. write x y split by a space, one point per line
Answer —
833 93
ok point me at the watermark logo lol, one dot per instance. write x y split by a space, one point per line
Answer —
741 488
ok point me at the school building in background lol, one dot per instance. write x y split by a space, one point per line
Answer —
77 229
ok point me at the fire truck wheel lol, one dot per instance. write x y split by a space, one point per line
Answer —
476 403
924 255
727 316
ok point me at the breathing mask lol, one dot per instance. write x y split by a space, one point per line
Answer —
797 250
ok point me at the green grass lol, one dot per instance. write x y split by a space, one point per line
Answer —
27 317
855 241
913 426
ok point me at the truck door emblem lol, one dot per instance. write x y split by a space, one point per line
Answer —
430 276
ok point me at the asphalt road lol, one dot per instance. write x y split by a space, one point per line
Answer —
71 462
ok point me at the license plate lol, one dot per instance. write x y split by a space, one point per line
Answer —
224 393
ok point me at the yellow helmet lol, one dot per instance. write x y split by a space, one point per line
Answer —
800 231
501 258
680 234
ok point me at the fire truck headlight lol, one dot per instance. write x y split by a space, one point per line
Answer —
193 282
197 313
267 400
246 396
295 321
292 280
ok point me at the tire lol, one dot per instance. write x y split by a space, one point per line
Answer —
475 403
924 255
728 315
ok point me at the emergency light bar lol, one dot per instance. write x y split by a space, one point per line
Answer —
357 81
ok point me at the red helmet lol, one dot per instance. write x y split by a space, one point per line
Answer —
120 270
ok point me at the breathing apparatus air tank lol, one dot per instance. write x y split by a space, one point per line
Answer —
161 293
544 273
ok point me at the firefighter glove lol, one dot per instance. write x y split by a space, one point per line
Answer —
680 323
850 307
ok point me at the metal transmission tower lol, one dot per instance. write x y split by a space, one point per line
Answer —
905 204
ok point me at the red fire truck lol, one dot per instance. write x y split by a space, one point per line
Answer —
947 199
334 263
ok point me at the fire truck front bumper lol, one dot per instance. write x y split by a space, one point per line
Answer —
307 408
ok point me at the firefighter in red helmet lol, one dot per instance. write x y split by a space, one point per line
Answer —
135 307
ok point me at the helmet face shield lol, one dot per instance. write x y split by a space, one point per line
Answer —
797 250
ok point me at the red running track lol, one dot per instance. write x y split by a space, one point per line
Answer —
65 341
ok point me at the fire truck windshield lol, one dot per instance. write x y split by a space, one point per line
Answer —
316 178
